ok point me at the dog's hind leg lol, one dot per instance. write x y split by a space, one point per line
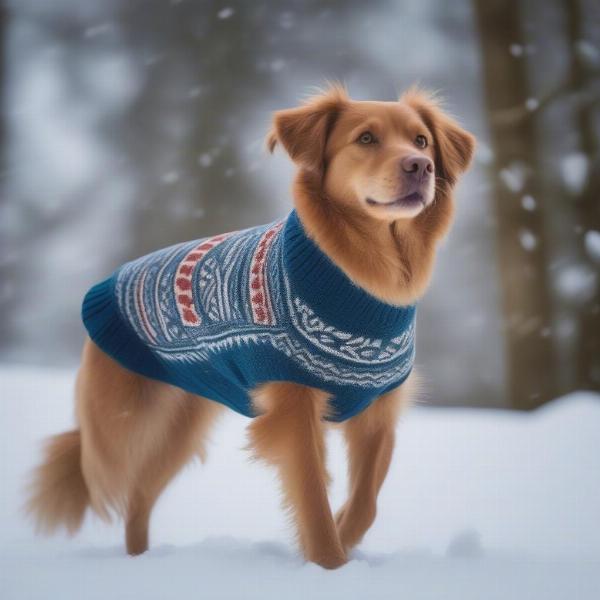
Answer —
290 435
184 436
136 434
370 438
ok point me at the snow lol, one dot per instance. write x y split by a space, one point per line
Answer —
225 13
195 92
484 154
170 177
277 65
588 52
527 239
532 104
513 176
466 544
577 283
574 169
478 504
516 50
205 160
99 30
592 244
528 202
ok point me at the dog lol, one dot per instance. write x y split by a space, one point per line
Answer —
373 196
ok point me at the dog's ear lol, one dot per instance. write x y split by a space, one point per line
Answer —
303 131
454 146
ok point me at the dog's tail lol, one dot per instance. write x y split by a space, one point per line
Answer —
58 494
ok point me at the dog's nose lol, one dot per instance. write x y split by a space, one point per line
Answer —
419 166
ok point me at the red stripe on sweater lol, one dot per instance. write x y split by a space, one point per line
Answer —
183 279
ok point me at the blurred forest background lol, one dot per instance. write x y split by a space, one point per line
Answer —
128 125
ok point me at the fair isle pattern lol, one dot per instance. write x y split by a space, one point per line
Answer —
360 349
184 292
327 370
220 315
139 297
262 309
171 297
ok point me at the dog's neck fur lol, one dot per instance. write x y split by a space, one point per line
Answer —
392 261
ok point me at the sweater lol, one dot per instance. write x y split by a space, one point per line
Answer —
221 315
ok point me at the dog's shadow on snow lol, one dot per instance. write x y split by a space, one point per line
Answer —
228 549
223 548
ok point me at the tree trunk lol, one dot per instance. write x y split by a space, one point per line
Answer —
5 272
587 205
520 236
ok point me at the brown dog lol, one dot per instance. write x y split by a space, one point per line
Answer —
374 190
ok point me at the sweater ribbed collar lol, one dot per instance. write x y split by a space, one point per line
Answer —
334 297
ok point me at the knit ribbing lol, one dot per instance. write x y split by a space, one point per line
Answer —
331 293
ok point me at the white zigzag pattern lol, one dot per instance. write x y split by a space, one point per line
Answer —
342 344
326 370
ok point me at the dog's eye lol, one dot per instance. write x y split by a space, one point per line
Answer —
366 137
421 141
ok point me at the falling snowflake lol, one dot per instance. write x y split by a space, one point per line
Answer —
195 91
513 176
527 239
516 50
170 177
484 154
277 65
225 13
532 104
528 202
592 244
574 171
101 29
577 283
205 160
588 52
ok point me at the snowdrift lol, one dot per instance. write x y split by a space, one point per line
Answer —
478 504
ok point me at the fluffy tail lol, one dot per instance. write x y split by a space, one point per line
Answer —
58 493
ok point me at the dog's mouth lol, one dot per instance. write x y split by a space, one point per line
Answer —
408 201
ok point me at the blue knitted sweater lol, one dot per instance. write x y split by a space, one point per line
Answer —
221 315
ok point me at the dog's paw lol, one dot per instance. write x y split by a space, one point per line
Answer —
330 561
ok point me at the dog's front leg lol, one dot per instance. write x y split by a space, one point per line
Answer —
370 438
289 433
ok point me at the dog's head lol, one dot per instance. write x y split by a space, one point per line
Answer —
390 160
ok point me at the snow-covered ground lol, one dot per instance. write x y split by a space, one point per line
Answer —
478 505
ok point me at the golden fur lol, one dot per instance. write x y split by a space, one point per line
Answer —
135 434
